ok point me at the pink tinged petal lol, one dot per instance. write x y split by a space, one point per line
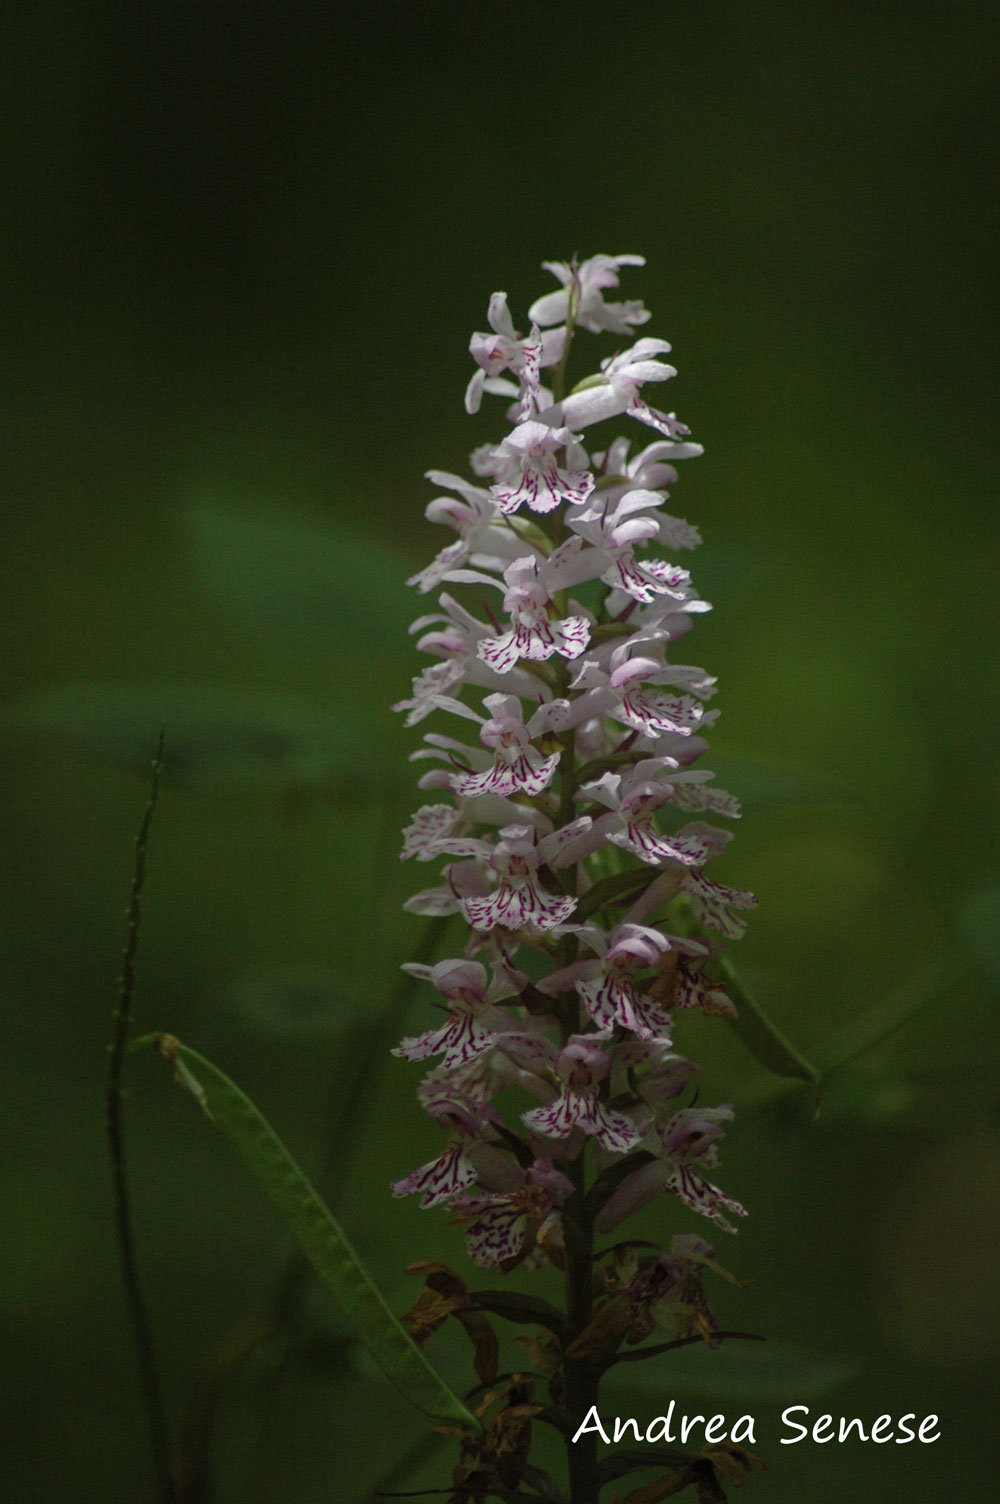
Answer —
542 488
644 946
582 1109
712 903
496 1235
605 790
685 676
432 903
506 718
500 653
459 1041
523 775
441 1179
590 838
536 642
669 579
656 714
567 978
553 715
553 342
435 779
654 1022
431 683
676 533
614 1000
470 846
530 1051
499 317
474 391
582 1063
454 976
516 908
665 423
458 483
634 1192
703 1197
571 636
692 797
691 991
440 568
629 670
593 404
431 823
577 565
551 309
611 1000
630 532
555 848
646 348
640 837
655 453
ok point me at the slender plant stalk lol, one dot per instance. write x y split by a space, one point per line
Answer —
584 760
138 1315
581 1378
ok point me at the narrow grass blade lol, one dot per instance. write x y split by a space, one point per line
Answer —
315 1230
761 1036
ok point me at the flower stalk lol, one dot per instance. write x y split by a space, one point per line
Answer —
574 829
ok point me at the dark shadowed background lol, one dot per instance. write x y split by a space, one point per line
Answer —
246 247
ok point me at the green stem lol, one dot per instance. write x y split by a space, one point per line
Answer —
138 1316
573 305
580 1374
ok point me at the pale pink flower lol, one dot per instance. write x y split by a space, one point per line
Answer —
614 533
516 766
520 901
528 472
480 531
607 985
581 1067
507 1224
617 389
592 279
533 633
688 1141
475 1023
504 350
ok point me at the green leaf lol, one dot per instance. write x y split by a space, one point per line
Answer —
864 1096
315 1230
217 735
893 1012
310 583
759 1370
754 1029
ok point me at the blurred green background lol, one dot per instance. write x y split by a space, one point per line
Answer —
247 245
